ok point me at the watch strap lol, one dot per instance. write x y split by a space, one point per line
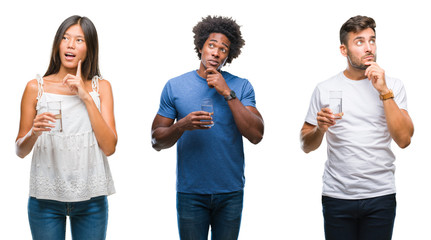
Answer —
231 96
387 96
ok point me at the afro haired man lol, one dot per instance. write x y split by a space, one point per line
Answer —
210 154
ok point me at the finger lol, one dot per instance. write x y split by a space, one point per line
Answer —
196 120
325 111
45 117
43 122
326 125
66 78
211 76
374 75
78 69
325 120
371 63
202 127
211 85
211 70
368 70
42 129
326 117
35 131
204 124
201 123
370 73
197 113
49 114
43 125
38 131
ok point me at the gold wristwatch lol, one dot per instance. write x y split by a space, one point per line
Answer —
387 96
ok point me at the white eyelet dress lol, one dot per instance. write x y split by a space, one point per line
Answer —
69 166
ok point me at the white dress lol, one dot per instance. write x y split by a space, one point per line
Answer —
69 166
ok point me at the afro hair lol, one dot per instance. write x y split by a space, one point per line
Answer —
224 25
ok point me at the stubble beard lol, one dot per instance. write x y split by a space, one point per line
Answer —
356 63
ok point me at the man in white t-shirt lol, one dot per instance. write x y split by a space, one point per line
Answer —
358 196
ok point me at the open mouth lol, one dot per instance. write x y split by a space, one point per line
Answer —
70 56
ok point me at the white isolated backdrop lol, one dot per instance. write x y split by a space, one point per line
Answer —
290 47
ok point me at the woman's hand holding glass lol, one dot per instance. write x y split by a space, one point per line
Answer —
41 123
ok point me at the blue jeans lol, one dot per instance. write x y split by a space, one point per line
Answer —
88 219
365 219
196 212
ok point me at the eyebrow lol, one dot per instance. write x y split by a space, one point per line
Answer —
68 34
362 38
213 40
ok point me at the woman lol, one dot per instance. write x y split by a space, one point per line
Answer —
70 174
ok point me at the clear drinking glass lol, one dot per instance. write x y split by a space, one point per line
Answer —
207 106
54 107
336 103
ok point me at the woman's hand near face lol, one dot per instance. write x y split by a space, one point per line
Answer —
76 84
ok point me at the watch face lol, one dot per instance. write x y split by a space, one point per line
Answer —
232 94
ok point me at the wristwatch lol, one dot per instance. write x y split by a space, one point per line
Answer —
231 96
387 96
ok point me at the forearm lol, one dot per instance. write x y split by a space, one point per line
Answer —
165 137
24 145
311 138
399 123
105 135
249 123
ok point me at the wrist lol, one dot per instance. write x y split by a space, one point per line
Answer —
180 126
320 130
85 97
231 95
384 91
34 134
226 93
386 95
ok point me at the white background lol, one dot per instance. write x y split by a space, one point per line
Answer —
290 47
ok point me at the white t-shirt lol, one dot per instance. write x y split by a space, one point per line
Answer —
360 162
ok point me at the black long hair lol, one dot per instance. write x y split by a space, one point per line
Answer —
90 66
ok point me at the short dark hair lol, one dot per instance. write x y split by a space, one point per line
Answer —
224 25
356 24
90 66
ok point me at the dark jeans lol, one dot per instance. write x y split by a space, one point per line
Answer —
88 219
364 219
196 212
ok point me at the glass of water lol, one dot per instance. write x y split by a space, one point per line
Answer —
54 107
336 103
207 106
